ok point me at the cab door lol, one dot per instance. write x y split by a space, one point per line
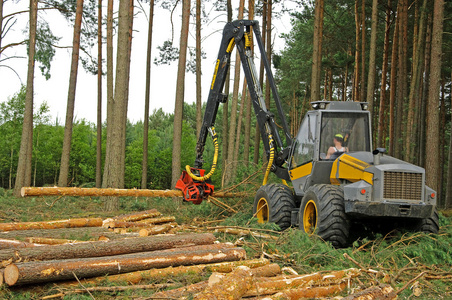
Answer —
304 152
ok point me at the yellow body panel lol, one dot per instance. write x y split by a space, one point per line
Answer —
301 171
351 169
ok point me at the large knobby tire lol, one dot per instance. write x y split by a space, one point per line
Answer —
429 225
274 203
322 213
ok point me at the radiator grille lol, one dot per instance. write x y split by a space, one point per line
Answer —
404 186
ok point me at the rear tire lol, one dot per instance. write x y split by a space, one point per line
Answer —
274 203
322 213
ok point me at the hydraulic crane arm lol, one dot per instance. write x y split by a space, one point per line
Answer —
239 33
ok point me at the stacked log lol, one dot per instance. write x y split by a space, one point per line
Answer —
102 248
152 253
54 270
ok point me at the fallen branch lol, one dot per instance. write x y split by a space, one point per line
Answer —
221 204
409 282
374 293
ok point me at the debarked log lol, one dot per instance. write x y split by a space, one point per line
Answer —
151 213
62 233
264 286
8 244
50 241
159 274
46 271
81 222
103 248
309 292
74 191
232 286
266 270
156 229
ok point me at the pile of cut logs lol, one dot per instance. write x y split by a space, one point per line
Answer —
148 246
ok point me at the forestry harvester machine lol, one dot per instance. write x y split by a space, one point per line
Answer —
329 190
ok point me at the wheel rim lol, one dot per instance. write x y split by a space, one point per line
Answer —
310 217
262 212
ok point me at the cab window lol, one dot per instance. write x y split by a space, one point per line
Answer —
304 147
353 127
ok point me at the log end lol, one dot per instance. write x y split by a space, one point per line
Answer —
1 277
143 232
11 274
22 191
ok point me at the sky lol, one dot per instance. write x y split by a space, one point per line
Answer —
163 78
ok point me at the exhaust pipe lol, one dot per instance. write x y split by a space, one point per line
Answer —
377 155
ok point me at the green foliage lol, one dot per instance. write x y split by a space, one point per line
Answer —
44 48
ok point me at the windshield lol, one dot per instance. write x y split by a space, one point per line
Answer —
343 132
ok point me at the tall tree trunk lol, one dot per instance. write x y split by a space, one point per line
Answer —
425 87
319 69
1 25
432 159
99 97
362 84
27 129
113 170
384 73
257 137
401 77
233 119
198 68
239 123
65 154
144 170
122 156
372 64
448 200
356 74
316 63
110 81
412 128
393 86
442 145
246 150
180 88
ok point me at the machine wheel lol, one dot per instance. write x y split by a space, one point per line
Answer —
274 203
429 225
322 212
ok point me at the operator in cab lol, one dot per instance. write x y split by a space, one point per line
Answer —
338 142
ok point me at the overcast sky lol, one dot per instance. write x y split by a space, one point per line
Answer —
163 78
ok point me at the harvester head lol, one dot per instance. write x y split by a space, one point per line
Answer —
193 190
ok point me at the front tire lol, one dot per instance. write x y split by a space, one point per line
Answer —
322 213
429 225
274 203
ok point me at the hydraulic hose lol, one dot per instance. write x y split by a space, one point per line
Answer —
270 159
214 163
